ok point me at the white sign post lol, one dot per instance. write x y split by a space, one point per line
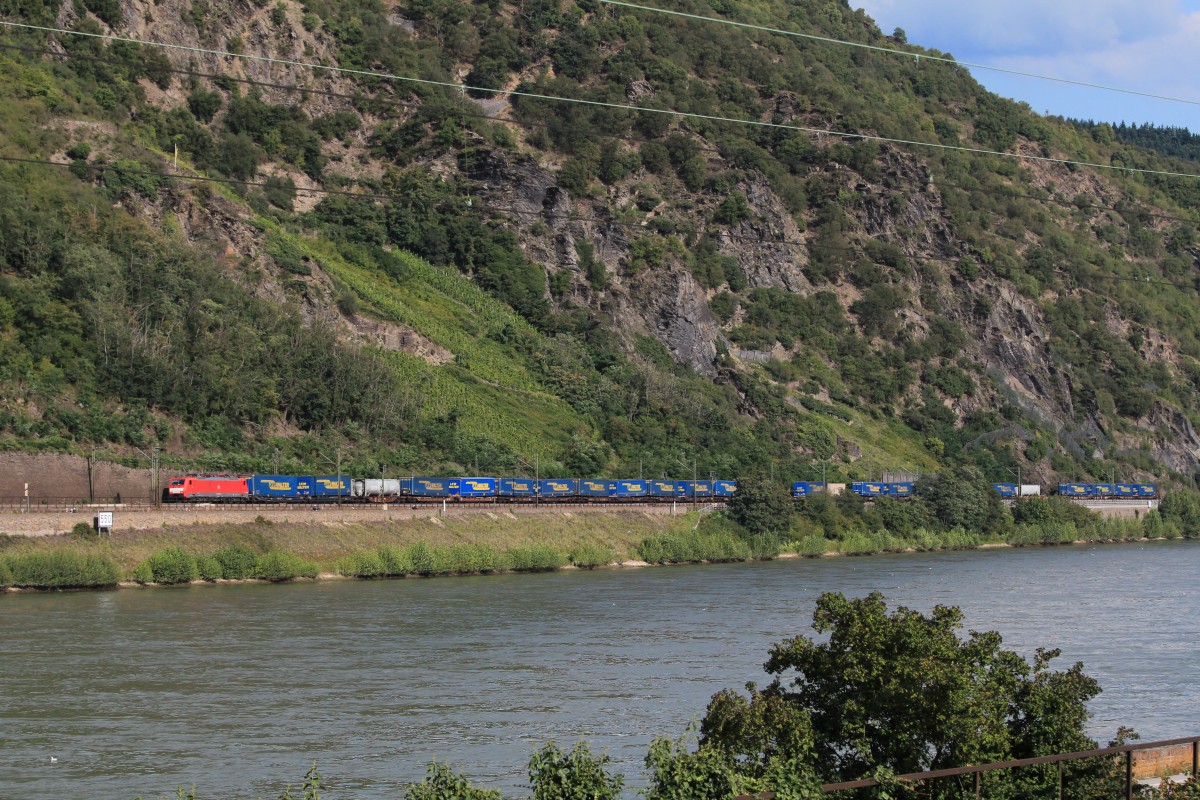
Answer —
104 522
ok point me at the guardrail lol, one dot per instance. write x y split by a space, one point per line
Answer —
978 770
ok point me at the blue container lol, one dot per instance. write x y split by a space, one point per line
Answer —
330 485
661 487
899 489
629 487
1147 490
806 488
1075 489
476 487
558 487
1005 489
517 487
1103 490
435 487
279 487
594 487
868 488
1127 490
724 488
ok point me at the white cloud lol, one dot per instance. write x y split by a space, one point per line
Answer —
1025 26
1150 46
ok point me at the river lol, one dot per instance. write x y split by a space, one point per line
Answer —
238 689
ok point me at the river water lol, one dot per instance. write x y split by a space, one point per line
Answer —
238 689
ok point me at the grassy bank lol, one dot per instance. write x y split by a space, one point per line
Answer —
479 544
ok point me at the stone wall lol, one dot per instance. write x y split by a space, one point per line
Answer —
54 476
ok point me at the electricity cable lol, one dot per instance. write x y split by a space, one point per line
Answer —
466 112
603 104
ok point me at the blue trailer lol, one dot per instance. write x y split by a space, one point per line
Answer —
1147 490
330 485
662 488
868 489
1103 490
1005 489
558 488
899 489
476 487
724 488
1075 489
435 487
625 488
594 487
279 487
517 487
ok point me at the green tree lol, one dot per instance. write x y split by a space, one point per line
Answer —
904 692
761 505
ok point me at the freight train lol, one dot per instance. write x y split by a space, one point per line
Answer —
1083 491
344 488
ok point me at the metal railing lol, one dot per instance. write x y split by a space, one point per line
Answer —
1126 750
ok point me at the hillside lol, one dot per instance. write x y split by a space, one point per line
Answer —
258 263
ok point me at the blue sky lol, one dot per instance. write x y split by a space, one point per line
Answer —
1148 45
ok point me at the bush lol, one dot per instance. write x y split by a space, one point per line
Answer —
279 565
443 783
588 556
535 558
395 561
368 564
210 568
692 546
143 574
173 565
574 775
237 562
6 577
61 569
82 530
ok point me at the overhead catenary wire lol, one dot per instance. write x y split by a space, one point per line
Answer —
542 213
472 113
603 104
898 52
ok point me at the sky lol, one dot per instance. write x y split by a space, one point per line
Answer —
1150 46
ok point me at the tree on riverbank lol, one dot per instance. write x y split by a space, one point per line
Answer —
904 692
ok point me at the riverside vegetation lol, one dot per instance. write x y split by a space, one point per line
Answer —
877 693
761 522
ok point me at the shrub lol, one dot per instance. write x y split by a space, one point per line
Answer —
210 568
82 530
590 555
143 574
535 558
6 577
395 561
367 564
237 562
575 775
443 783
173 565
473 558
690 546
279 565
61 569
425 560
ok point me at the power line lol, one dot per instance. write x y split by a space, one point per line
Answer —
904 53
603 104
470 112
